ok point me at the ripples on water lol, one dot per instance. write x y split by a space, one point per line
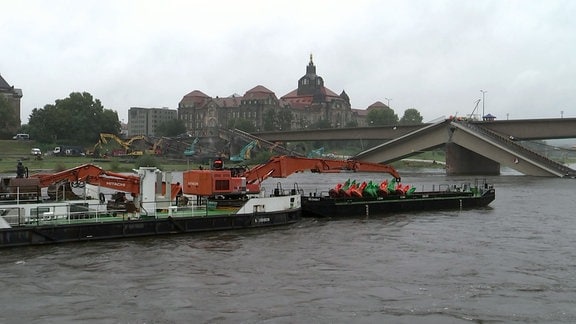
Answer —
511 262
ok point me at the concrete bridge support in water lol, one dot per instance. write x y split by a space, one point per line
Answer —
460 160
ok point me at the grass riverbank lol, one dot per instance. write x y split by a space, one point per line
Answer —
12 151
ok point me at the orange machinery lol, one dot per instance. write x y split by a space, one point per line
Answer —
231 182
89 173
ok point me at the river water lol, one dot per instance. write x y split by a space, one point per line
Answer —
514 261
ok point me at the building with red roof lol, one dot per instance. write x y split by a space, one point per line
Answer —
311 104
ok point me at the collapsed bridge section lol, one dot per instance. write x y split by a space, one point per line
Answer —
470 149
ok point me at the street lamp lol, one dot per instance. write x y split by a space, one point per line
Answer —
483 100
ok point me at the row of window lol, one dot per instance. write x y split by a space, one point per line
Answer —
235 114
242 114
268 101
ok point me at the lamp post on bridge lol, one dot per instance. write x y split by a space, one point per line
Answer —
483 100
388 102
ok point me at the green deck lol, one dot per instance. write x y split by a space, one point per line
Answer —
118 216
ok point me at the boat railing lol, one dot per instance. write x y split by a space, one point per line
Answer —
317 193
11 201
51 213
83 211
17 195
477 186
280 191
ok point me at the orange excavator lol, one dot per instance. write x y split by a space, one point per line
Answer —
233 182
237 181
94 175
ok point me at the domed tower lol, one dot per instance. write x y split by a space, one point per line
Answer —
311 84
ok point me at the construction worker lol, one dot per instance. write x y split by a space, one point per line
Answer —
20 170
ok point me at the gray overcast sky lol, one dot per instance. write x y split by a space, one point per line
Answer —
431 55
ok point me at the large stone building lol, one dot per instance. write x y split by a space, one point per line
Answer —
12 96
310 104
143 121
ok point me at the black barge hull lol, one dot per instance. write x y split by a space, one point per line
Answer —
50 234
354 207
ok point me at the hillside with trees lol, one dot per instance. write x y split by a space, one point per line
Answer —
77 119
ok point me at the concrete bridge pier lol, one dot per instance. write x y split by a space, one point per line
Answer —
460 161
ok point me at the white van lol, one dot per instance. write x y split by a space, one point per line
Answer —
21 137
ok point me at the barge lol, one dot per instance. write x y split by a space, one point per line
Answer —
60 222
158 207
47 209
448 197
149 203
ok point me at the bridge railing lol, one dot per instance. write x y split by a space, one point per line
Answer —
518 148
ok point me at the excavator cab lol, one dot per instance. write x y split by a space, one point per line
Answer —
218 164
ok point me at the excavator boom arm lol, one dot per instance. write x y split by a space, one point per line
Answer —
95 175
283 166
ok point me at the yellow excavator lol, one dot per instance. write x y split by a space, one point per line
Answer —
127 147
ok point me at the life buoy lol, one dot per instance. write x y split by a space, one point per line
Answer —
102 198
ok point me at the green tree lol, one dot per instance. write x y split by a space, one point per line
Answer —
411 117
274 120
302 123
146 161
171 128
8 118
269 120
352 124
78 119
285 119
322 123
24 129
242 124
381 117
